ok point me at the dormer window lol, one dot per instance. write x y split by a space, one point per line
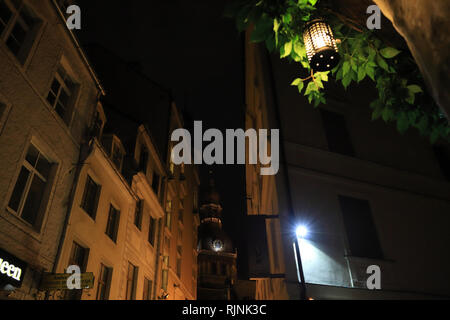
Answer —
115 150
98 123
117 155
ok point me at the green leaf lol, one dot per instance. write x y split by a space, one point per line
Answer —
387 114
370 72
299 49
414 89
345 68
347 80
311 88
382 63
296 82
402 123
301 85
361 74
287 49
389 52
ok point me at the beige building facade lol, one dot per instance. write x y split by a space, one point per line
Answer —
48 95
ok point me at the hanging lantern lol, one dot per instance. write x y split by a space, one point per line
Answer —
320 46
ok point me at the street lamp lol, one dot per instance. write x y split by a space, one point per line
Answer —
301 232
320 44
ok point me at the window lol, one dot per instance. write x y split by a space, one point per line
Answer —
361 233
91 197
152 231
143 160
78 257
117 155
337 134
60 94
181 211
112 226
30 193
165 272
179 267
165 277
155 183
18 27
443 157
138 212
169 214
182 172
104 282
148 284
97 126
131 282
195 200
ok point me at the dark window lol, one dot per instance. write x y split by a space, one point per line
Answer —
155 183
27 199
117 156
112 226
91 197
131 282
78 257
138 214
104 282
213 268
97 126
17 27
443 157
59 96
143 161
152 231
360 228
337 134
179 267
148 284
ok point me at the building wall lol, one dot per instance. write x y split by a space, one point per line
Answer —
91 233
398 174
27 117
182 286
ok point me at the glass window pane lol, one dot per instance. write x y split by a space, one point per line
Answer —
27 17
14 202
55 86
64 97
5 15
34 199
43 167
32 155
51 98
16 38
60 110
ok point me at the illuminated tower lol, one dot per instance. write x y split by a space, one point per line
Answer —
217 258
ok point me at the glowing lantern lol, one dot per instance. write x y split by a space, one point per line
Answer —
320 46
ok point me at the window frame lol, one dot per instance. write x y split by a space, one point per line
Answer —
115 230
93 215
31 31
49 182
104 284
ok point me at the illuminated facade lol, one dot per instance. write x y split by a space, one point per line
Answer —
48 96
353 184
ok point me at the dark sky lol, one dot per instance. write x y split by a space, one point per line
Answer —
191 49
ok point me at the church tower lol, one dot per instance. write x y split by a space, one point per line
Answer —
217 257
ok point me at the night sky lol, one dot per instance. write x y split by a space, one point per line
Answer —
191 49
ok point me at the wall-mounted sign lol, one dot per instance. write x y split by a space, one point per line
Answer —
59 281
12 269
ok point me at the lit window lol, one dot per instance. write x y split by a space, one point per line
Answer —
28 197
